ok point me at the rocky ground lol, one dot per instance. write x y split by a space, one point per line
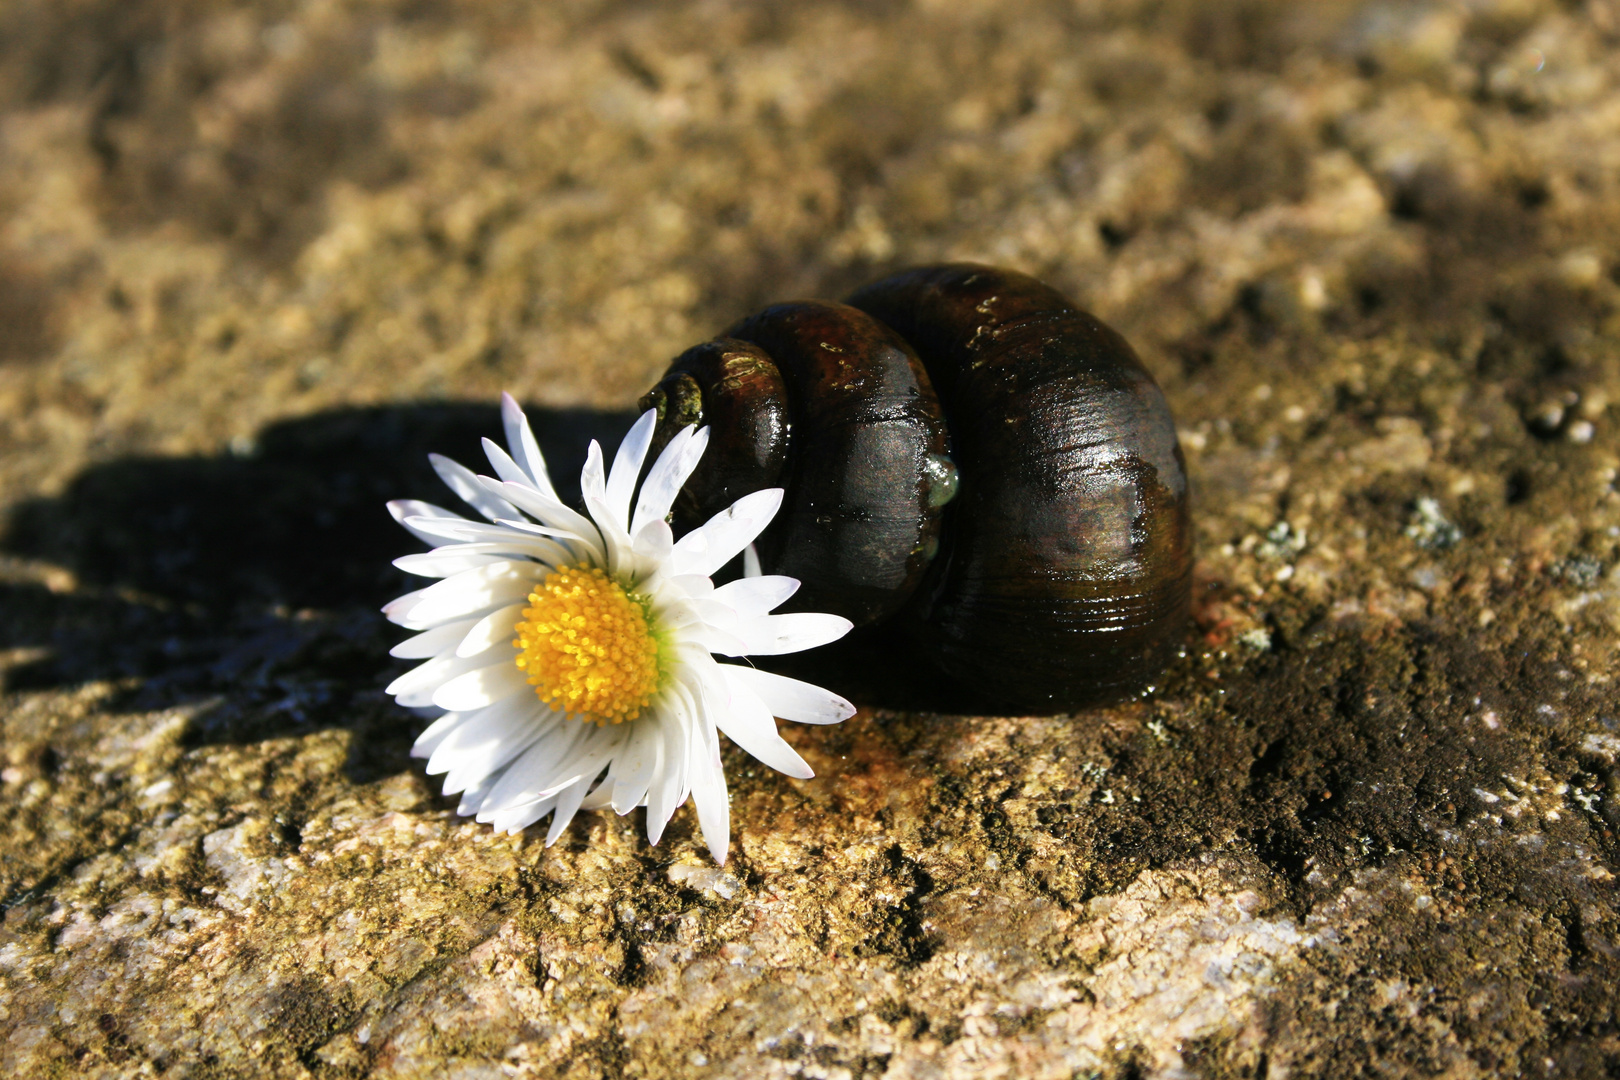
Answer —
256 262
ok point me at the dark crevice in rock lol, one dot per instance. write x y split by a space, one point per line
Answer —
898 930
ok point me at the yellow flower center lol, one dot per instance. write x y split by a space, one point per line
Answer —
588 647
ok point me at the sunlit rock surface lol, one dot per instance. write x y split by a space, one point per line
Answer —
256 262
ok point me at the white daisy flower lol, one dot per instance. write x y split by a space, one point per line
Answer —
573 653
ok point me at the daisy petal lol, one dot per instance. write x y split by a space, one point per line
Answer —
441 563
493 759
655 540
487 739
672 469
460 479
462 531
491 630
755 596
594 751
710 546
435 733
632 770
748 723
649 551
710 797
772 635
666 791
432 642
525 450
504 466
708 637
516 819
561 546
668 788
790 699
398 610
552 514
475 592
692 584
482 687
509 538
403 510
428 676
617 540
593 478
658 784
568 800
513 544
599 797
473 797
545 762
621 481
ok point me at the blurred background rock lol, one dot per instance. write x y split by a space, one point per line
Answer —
257 259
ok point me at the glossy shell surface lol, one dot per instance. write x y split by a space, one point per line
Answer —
1065 574
981 475
856 527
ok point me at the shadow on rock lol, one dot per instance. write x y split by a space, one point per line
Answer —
249 583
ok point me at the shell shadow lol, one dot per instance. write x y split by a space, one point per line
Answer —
247 584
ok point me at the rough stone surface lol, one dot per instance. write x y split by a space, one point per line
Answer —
257 259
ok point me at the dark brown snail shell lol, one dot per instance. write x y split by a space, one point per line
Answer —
977 471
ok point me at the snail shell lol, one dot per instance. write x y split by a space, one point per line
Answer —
978 471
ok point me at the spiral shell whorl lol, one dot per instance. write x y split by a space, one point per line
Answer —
1059 575
1066 571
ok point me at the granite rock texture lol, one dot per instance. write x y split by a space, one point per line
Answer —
256 260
